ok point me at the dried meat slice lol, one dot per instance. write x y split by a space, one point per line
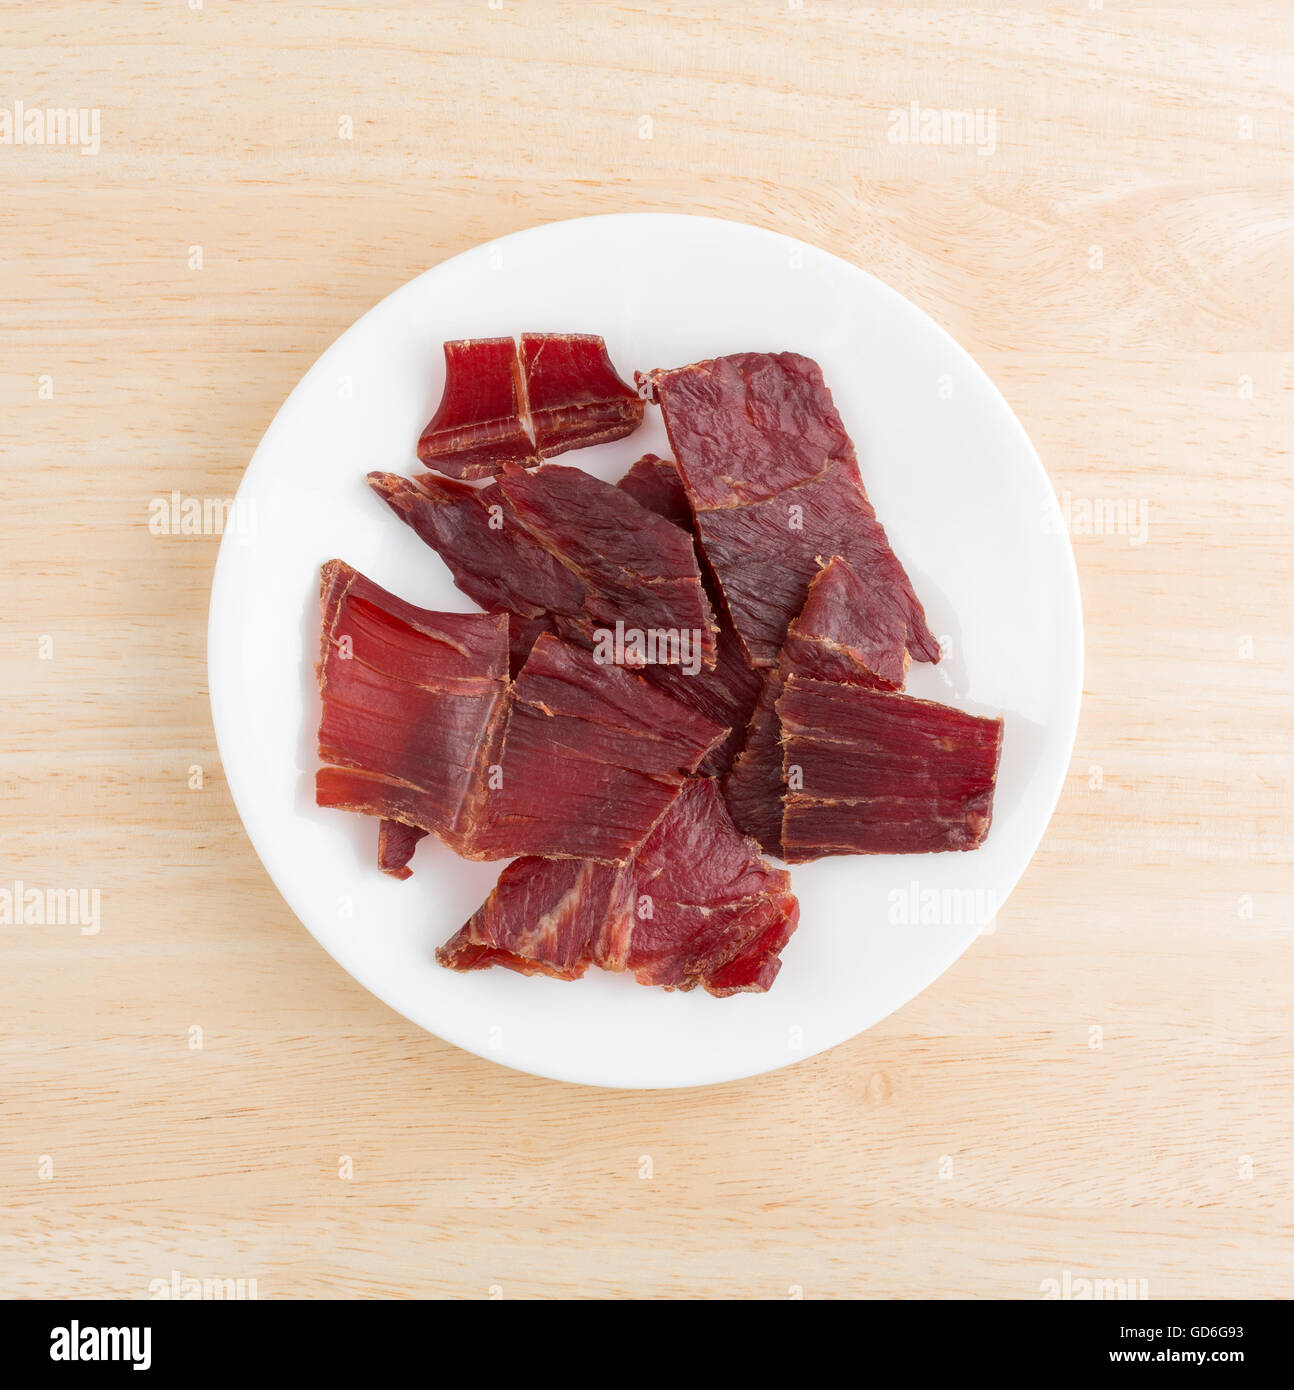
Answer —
639 572
878 772
655 483
560 545
846 632
523 633
412 706
491 557
695 906
592 757
547 912
395 846
754 968
561 392
574 394
842 634
461 953
727 692
480 422
773 482
707 909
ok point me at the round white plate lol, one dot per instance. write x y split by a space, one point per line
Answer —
953 478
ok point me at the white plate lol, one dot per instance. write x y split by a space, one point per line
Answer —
953 478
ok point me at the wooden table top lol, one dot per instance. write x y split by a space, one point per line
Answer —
1101 1086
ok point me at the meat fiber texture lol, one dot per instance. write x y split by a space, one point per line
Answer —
728 692
656 484
592 757
482 533
559 547
480 423
500 407
419 726
544 916
395 846
412 706
709 909
574 395
844 633
773 482
696 906
877 772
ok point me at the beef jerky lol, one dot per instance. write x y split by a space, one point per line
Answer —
727 692
592 757
702 899
395 846
695 906
754 968
656 484
461 953
560 545
480 423
574 396
490 555
523 633
843 634
877 772
548 912
773 482
561 393
412 706
639 572
413 730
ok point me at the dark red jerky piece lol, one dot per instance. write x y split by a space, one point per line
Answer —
695 906
412 705
558 544
395 846
490 556
654 483
878 772
574 395
523 633
843 634
637 568
754 968
702 898
592 757
549 912
480 422
726 693
773 482
846 632
461 953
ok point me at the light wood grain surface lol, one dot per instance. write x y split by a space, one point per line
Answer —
1102 1086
